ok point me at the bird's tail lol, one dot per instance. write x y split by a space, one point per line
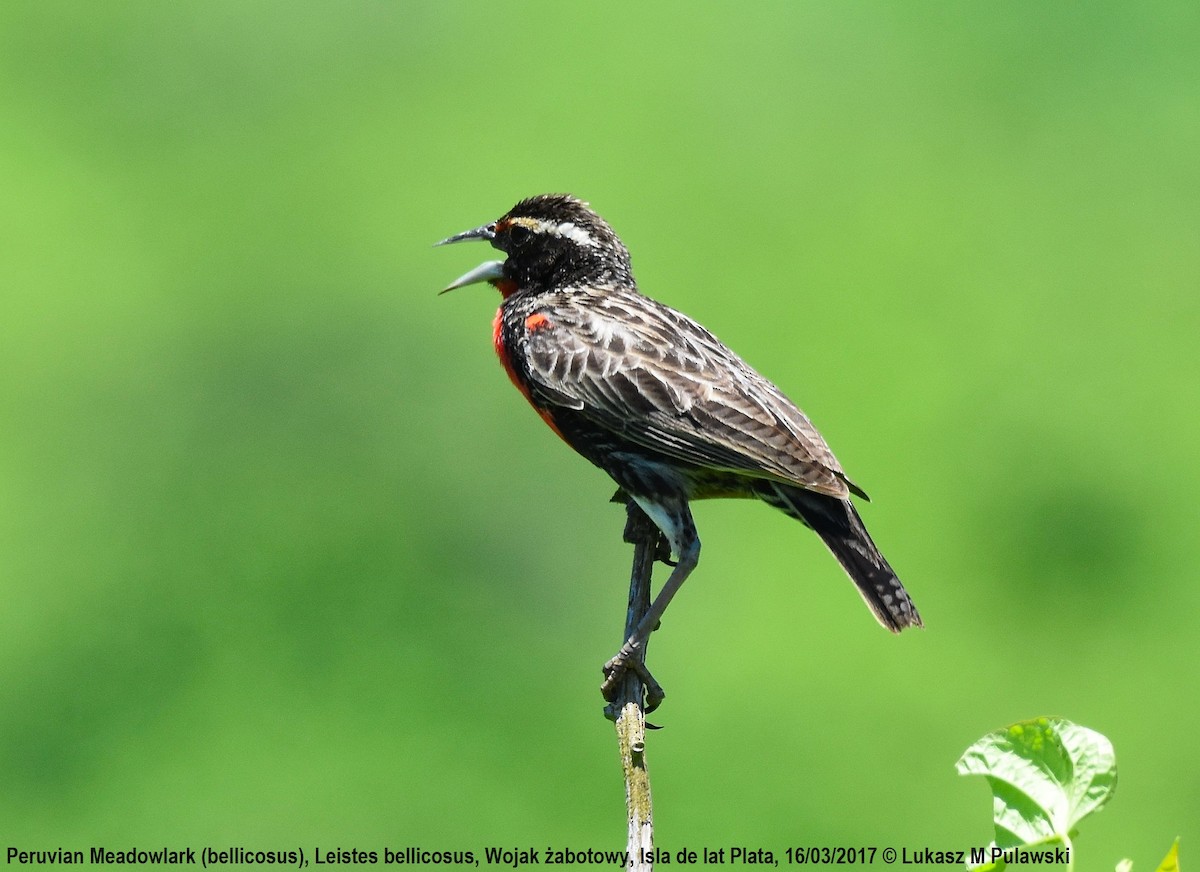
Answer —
839 526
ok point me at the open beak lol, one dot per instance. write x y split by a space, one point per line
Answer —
487 233
488 271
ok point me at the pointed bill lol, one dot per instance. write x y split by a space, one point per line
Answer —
487 233
488 271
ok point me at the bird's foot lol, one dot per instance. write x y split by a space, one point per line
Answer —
630 659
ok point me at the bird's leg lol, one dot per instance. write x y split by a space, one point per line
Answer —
632 654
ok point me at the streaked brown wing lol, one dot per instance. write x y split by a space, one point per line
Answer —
662 381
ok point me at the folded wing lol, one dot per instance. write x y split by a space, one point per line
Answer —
662 381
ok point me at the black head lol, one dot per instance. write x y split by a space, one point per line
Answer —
552 241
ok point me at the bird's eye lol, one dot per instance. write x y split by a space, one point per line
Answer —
518 234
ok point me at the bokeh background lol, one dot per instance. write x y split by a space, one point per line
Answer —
285 560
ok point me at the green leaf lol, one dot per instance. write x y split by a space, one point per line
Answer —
1170 862
1046 775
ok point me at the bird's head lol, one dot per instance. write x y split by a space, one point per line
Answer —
552 241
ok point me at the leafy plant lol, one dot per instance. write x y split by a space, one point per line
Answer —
1046 775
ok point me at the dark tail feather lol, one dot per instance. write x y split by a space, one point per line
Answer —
842 530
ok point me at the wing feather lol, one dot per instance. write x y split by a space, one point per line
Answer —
659 379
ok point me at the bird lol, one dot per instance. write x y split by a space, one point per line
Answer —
655 400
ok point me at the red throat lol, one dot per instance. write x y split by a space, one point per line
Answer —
506 362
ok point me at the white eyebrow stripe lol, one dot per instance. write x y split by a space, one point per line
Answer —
575 233
566 230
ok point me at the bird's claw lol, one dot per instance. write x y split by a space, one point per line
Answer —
615 670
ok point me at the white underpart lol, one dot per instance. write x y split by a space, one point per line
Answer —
664 521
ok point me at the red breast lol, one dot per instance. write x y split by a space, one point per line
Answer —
536 321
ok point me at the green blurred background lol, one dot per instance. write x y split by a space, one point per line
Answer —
285 560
